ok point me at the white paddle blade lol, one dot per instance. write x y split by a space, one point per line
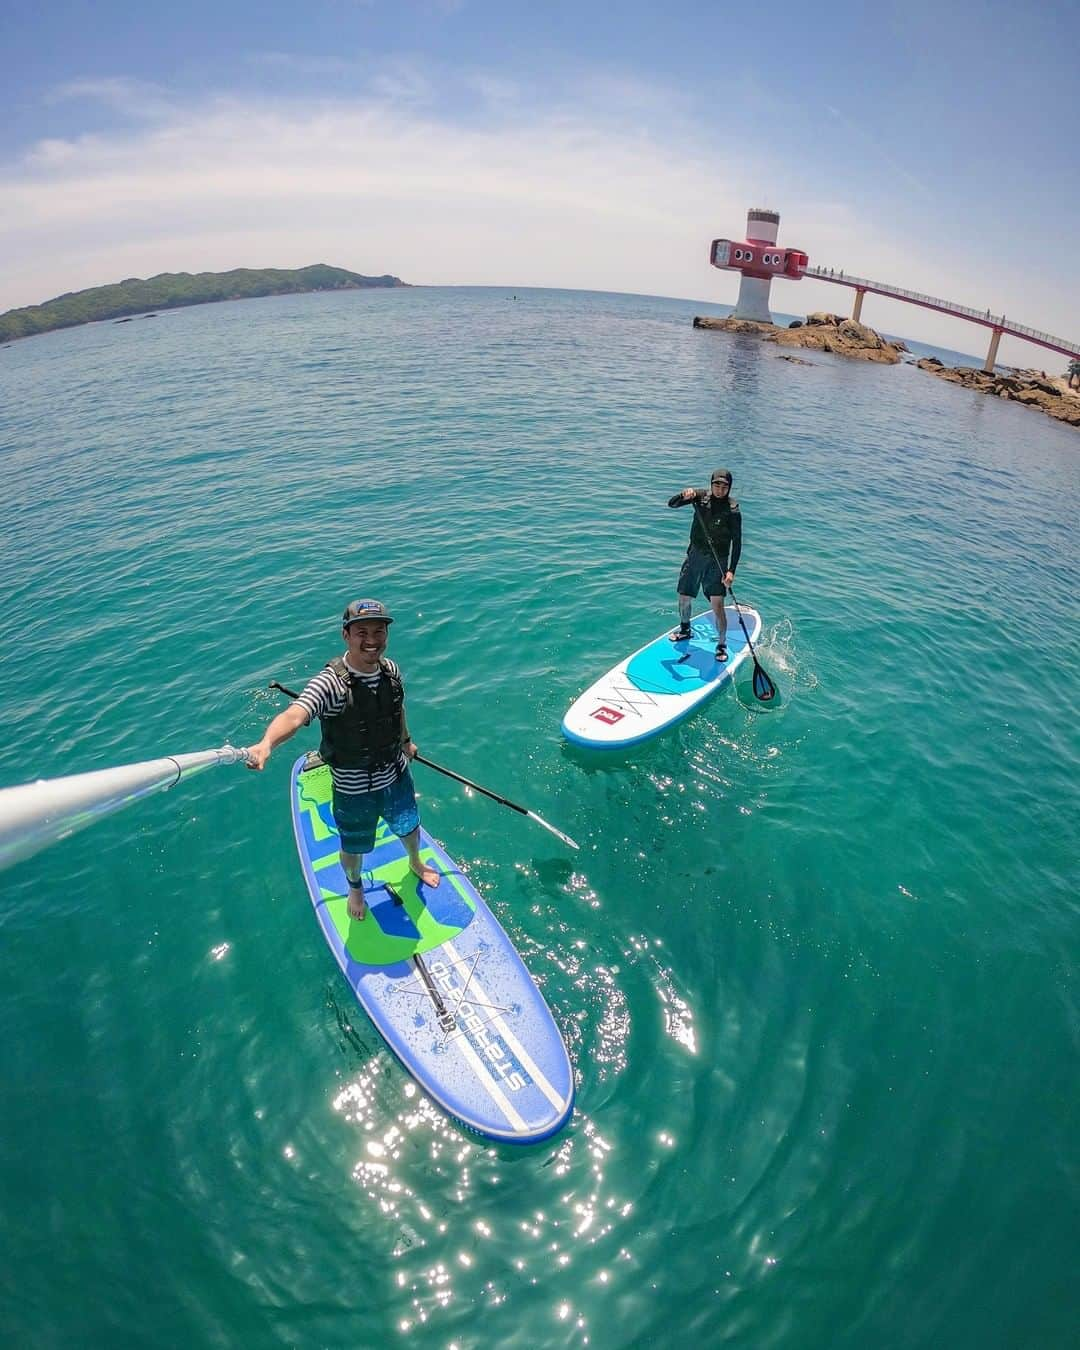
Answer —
547 826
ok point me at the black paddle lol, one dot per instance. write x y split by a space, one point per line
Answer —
764 689
487 792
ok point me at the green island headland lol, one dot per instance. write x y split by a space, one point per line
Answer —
172 290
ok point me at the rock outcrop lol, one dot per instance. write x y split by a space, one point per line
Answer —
821 332
1033 388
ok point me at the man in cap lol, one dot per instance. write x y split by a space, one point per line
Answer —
713 554
360 700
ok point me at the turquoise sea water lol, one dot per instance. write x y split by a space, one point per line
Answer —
817 967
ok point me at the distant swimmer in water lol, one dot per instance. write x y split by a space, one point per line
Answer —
713 554
360 700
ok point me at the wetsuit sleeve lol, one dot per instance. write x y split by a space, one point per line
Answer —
736 540
680 500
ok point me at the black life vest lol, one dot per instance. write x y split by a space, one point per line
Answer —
366 734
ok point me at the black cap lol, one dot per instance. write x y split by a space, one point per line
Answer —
365 609
725 474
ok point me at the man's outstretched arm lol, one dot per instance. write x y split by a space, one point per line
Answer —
283 727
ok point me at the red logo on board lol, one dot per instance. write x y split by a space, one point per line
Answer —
608 715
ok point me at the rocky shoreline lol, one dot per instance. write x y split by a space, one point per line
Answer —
844 337
1032 388
821 332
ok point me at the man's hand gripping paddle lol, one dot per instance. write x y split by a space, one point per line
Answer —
503 801
764 689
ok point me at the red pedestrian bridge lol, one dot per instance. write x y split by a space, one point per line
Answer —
997 323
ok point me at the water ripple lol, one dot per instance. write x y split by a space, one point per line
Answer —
815 961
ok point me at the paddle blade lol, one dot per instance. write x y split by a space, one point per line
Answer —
548 826
764 689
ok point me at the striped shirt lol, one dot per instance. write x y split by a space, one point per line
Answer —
324 696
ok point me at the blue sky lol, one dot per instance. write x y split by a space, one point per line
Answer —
587 145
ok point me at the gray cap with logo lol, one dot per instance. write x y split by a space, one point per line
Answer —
366 609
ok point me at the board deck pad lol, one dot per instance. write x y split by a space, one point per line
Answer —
436 973
659 684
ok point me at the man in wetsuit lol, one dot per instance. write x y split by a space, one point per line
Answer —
360 700
717 520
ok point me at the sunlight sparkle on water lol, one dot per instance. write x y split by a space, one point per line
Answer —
403 1149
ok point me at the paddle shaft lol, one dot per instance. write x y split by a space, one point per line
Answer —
443 1015
724 571
763 687
467 782
504 801
731 592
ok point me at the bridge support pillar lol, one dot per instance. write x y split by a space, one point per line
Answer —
856 313
991 355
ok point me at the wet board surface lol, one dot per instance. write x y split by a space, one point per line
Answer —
659 684
438 976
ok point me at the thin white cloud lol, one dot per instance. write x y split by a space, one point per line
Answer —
402 81
299 64
376 183
138 99
51 153
857 131
495 90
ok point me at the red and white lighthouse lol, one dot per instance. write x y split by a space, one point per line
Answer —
759 259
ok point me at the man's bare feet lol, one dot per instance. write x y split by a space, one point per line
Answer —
425 872
357 904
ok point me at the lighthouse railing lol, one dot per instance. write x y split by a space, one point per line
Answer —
982 316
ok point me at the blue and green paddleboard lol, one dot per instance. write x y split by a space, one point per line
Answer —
437 975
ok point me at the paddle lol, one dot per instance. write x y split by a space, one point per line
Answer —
487 792
764 689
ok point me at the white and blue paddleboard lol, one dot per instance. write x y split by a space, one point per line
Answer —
437 975
659 685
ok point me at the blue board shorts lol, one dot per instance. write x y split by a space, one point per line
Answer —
356 814
699 571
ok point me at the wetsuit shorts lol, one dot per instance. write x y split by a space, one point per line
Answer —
700 572
356 814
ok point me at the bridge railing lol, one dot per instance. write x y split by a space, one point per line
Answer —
980 315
